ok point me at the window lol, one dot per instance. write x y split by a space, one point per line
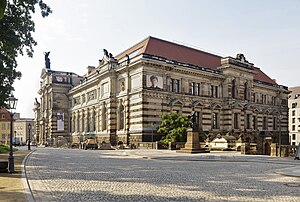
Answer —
293 136
293 113
174 85
195 88
274 123
3 116
294 105
293 120
265 123
104 118
3 126
215 120
254 123
293 127
233 89
246 91
177 82
235 120
121 117
248 121
254 95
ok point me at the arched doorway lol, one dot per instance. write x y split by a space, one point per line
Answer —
267 148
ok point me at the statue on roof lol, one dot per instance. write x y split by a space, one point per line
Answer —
47 60
241 57
105 52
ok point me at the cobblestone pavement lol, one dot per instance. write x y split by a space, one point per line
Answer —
79 175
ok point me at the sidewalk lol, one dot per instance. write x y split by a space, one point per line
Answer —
11 185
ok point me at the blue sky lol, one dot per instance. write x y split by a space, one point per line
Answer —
266 32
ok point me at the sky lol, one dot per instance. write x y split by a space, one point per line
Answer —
266 32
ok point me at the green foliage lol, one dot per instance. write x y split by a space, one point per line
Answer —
4 148
173 127
202 136
16 28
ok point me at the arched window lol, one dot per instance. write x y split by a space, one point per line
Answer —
233 89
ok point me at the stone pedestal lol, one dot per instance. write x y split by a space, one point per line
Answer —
273 150
192 144
245 148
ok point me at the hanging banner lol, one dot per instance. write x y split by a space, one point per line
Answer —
60 121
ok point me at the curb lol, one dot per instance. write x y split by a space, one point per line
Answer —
26 186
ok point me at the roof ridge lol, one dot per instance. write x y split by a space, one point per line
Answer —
147 38
184 46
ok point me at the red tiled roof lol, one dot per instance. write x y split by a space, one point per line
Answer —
183 54
261 76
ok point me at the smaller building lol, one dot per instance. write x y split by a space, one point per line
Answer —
294 115
23 131
4 126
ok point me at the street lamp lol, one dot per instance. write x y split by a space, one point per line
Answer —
279 134
29 128
11 105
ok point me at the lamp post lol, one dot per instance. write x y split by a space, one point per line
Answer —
279 134
29 129
11 105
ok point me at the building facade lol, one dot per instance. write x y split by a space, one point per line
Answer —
4 126
294 115
122 99
51 111
23 130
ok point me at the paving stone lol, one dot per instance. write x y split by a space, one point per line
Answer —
78 175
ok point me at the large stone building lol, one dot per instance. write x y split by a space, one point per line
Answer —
294 115
122 99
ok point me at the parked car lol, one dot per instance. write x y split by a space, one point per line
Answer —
90 143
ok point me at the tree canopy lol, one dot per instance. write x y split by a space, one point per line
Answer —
173 127
16 28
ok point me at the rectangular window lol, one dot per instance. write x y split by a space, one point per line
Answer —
254 123
235 121
195 88
293 120
248 121
265 123
216 91
293 113
212 91
253 97
293 136
294 105
293 127
274 123
3 126
215 120
177 86
174 85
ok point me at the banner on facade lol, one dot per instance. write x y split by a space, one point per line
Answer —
60 121
154 81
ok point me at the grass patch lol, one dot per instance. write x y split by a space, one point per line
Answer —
5 148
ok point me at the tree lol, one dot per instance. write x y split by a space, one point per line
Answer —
16 28
173 127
